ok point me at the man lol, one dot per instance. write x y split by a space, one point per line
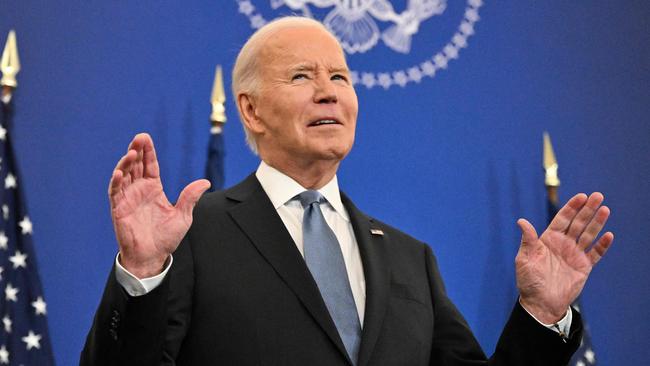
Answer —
254 280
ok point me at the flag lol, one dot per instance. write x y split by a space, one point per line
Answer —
24 338
216 150
214 165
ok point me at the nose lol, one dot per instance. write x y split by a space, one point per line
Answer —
325 90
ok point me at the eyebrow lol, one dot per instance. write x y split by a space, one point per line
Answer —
310 67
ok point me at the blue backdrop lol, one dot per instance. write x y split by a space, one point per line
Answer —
462 148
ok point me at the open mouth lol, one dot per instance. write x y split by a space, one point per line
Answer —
324 122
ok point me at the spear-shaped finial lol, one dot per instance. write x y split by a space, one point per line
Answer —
218 115
552 180
10 63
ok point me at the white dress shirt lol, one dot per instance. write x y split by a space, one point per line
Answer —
281 190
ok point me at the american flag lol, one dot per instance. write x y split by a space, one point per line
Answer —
24 338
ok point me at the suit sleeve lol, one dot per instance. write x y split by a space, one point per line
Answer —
127 330
523 341
143 330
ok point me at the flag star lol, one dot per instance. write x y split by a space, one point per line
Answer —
580 363
6 321
5 212
4 355
3 133
10 181
40 307
3 240
590 356
32 340
11 292
25 225
19 259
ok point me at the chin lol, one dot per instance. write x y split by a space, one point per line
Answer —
337 154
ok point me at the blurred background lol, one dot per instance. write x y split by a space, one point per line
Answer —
453 105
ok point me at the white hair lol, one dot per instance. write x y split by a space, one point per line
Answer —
245 73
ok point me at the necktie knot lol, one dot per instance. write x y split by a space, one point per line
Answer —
308 197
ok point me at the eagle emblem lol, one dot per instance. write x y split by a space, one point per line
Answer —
354 22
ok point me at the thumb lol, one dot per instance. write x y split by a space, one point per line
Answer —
528 233
190 194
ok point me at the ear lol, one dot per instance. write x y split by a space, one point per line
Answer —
248 110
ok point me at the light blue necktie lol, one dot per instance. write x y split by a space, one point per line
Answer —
325 261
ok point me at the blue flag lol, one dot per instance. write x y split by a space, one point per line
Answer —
24 338
585 355
214 165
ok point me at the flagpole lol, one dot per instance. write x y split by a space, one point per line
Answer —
9 66
214 168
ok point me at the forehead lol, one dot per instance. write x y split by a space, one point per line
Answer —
301 45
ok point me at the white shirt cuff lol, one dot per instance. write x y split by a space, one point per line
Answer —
563 325
135 286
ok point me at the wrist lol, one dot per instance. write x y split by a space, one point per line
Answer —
143 268
542 314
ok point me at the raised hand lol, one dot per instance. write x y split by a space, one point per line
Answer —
552 269
147 226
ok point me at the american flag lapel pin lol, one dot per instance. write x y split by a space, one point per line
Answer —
377 232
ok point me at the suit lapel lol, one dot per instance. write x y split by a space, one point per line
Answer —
257 217
372 246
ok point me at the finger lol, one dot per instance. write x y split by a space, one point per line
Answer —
151 168
599 250
115 187
123 172
528 234
585 215
137 167
190 195
563 219
136 145
125 165
593 228
125 162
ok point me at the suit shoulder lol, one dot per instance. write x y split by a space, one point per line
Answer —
211 201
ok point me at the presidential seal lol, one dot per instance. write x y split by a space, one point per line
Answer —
363 26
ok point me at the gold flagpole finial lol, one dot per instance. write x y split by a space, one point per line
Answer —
552 180
10 63
218 115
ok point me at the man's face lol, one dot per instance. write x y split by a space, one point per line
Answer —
306 106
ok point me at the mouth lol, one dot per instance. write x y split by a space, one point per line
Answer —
324 122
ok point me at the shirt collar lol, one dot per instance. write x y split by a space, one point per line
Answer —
281 189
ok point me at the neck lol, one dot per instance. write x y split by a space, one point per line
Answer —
311 175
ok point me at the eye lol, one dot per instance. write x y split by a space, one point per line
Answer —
299 76
339 77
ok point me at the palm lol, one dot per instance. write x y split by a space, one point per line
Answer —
553 268
147 226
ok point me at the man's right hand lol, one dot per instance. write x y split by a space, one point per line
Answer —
147 226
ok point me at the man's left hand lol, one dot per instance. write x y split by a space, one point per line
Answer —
552 269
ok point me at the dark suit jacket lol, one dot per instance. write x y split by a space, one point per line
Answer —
239 293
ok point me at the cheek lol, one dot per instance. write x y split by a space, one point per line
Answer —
352 105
